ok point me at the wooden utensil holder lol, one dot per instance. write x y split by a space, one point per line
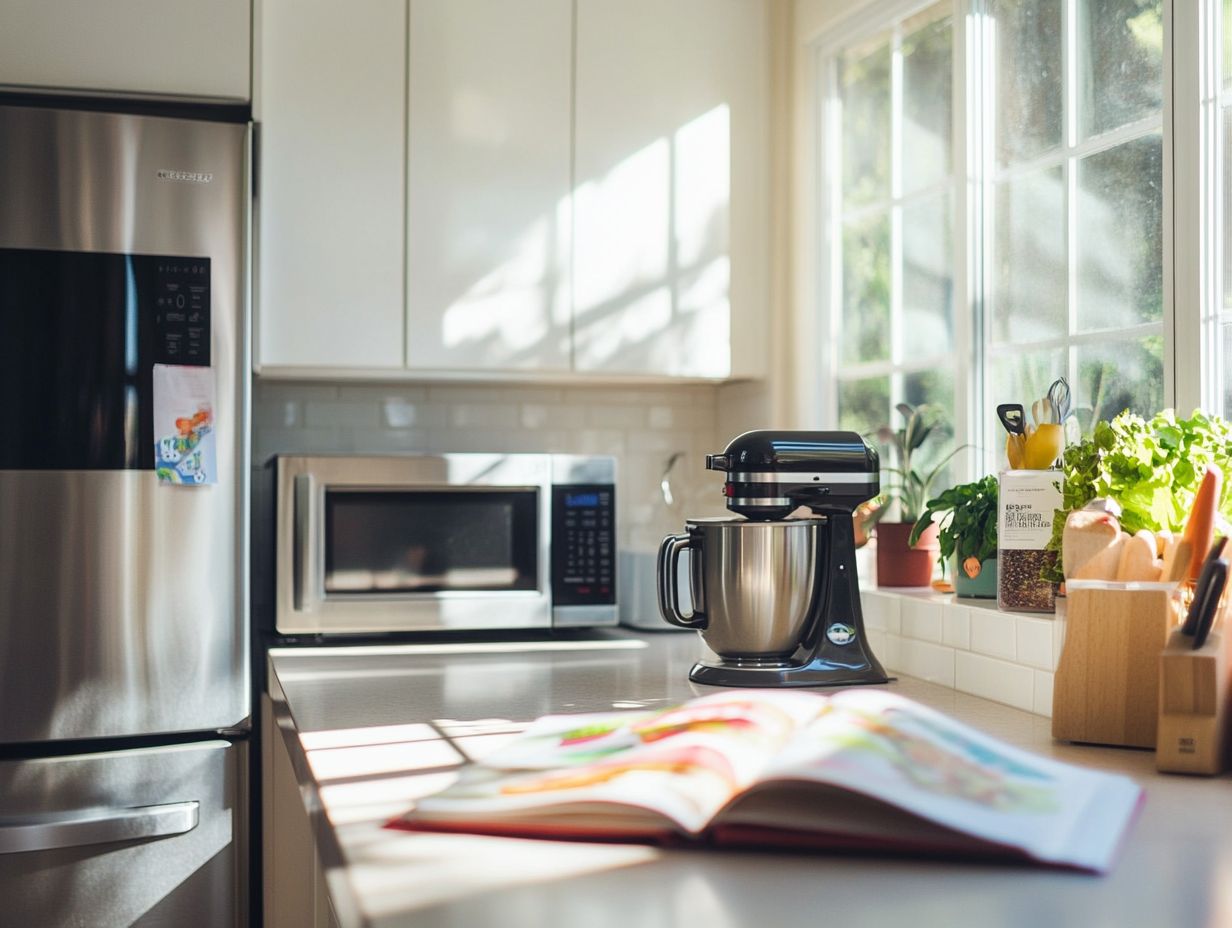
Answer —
1194 714
1106 687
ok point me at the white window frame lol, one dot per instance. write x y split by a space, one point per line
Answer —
1197 98
1192 218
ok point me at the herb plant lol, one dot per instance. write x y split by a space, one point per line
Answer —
912 486
969 524
1151 468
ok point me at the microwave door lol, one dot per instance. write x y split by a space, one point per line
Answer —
371 559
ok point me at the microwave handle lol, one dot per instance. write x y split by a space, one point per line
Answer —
307 545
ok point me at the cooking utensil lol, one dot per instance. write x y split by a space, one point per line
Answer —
1198 605
1060 399
1012 417
1219 579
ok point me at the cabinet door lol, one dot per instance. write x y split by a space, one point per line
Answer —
488 211
160 47
671 213
331 103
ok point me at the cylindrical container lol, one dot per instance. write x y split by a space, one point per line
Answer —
752 583
1027 501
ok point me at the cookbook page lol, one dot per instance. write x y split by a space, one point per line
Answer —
622 772
918 760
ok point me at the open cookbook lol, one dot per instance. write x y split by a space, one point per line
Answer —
859 769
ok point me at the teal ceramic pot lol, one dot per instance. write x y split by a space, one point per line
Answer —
984 586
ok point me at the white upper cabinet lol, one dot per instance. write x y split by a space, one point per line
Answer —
330 99
488 207
670 186
181 48
512 186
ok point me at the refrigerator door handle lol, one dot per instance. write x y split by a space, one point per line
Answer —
20 834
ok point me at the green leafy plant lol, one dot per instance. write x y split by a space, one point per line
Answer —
1151 468
968 526
912 485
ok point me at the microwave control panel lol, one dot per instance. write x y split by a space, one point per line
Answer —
583 545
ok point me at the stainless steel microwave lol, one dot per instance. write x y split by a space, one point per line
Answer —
452 542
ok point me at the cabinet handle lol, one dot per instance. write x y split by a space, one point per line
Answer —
20 834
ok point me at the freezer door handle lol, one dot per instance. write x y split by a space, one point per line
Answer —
19 834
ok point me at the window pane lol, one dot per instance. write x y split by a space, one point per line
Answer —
864 405
935 387
1225 330
1227 197
1121 50
1227 40
1120 236
1027 71
1019 377
1117 376
927 104
864 81
866 289
1028 277
928 276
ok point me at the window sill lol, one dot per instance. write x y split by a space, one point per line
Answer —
967 644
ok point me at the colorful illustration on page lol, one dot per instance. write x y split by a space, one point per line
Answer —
184 425
936 761
752 723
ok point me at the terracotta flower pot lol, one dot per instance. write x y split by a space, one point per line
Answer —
899 565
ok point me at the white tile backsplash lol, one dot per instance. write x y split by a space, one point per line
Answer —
881 612
995 679
927 661
1042 704
1034 642
921 619
1004 656
325 413
993 633
956 626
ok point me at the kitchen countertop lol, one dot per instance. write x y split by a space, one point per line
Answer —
363 729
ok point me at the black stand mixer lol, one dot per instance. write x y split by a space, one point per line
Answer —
777 598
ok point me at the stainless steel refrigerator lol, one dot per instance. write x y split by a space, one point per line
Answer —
124 664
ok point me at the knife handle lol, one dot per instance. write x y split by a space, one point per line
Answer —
1219 579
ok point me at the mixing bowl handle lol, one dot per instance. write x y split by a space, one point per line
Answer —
667 570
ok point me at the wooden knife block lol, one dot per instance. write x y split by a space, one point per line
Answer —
1194 714
1106 687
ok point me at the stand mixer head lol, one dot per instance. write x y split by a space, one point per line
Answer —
742 570
770 474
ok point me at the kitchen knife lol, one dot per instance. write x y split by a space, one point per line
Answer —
1219 579
1202 590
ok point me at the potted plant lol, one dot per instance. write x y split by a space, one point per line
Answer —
899 562
966 535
